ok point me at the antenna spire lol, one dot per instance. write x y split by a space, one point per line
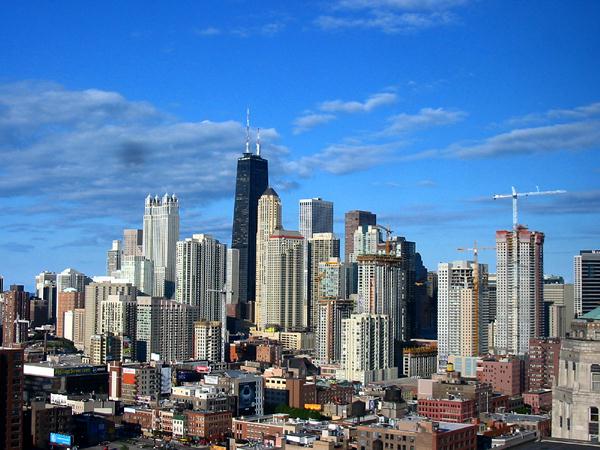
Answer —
258 142
247 130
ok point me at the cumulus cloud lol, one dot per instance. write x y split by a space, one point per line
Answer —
425 118
374 101
96 153
308 121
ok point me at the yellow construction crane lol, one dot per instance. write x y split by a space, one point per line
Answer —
475 249
515 195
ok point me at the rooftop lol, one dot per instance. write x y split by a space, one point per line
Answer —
592 315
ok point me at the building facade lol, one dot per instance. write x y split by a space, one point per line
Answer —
353 220
315 216
11 398
68 300
587 281
322 247
332 311
207 340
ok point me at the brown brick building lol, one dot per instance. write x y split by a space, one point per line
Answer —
506 375
67 301
543 365
11 398
16 307
208 425
455 410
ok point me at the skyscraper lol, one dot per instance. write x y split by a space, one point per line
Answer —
316 216
207 340
71 278
160 236
283 300
233 279
45 287
133 242
11 398
367 239
68 300
519 289
15 317
558 305
353 220
462 312
118 314
587 281
138 271
200 272
269 219
113 258
321 248
251 181
332 311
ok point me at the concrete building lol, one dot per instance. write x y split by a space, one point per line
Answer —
322 247
201 263
542 367
165 327
160 236
139 271
113 258
207 340
587 281
68 300
95 293
45 288
269 219
366 354
133 242
419 361
282 300
366 241
73 279
519 306
559 304
462 312
315 216
74 327
576 396
382 290
118 317
11 398
332 311
232 279
353 220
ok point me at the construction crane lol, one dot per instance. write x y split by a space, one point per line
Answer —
515 195
475 249
388 237
224 335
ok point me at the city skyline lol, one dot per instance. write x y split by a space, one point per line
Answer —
424 138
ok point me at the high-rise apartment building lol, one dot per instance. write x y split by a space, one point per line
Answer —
165 327
45 288
330 279
332 311
11 398
283 300
71 279
587 281
232 278
207 340
321 248
252 180
201 263
74 327
559 306
68 300
366 355
543 363
462 310
113 258
316 216
118 316
139 271
382 290
269 219
133 242
15 317
353 220
95 293
366 242
160 236
519 289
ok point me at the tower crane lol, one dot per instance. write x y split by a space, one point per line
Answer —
475 249
388 237
224 335
515 195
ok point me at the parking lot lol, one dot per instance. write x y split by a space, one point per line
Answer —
143 443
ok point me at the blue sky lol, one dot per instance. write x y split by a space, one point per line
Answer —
418 110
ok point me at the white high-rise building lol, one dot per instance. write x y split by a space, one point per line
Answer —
165 327
316 216
366 241
462 317
201 263
71 279
207 340
519 290
366 354
382 290
45 287
329 331
118 318
282 299
138 271
330 280
113 258
160 236
321 248
269 219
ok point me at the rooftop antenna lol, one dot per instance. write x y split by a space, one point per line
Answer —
247 130
258 142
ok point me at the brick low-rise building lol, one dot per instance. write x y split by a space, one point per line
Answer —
208 425
542 368
447 410
506 375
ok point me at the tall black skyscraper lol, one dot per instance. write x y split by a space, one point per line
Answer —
251 181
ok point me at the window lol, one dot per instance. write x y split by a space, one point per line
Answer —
568 424
593 414
560 422
595 382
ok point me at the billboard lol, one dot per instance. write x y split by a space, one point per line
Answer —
247 398
61 439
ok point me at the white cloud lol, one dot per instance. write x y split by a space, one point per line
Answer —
579 112
425 118
374 101
400 4
209 31
308 121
